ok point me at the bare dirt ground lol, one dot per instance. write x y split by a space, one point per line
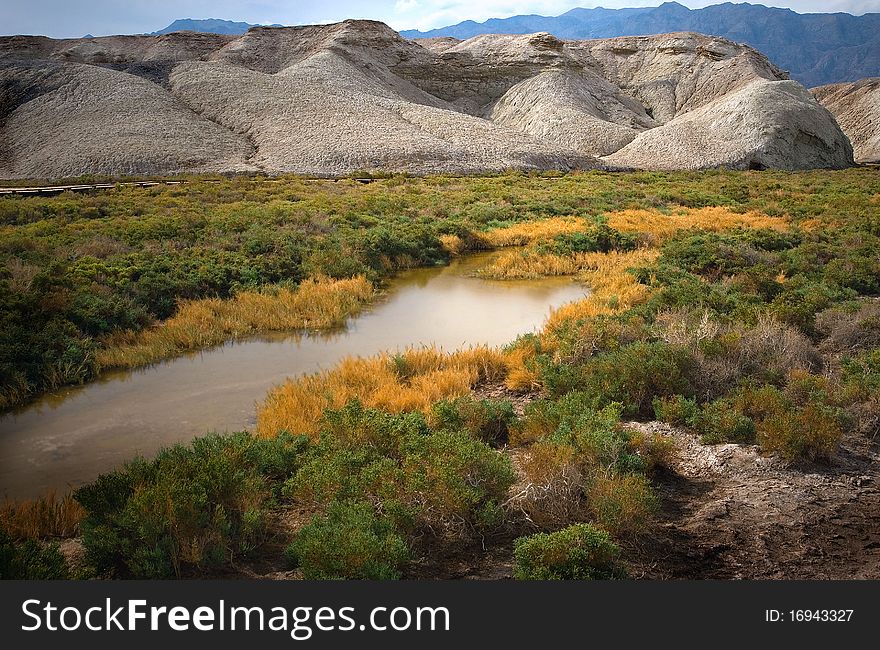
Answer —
728 512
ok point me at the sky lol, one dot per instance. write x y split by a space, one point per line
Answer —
75 18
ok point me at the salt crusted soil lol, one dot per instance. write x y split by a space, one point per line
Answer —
729 512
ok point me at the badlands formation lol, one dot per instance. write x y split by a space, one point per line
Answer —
857 109
334 99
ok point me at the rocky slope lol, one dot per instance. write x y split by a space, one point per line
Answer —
333 99
857 109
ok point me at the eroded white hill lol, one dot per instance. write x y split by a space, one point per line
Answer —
333 99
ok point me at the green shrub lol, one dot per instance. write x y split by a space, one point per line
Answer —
486 420
721 421
598 239
635 374
441 479
191 508
802 298
676 410
30 560
579 552
810 433
454 478
349 541
716 254
621 503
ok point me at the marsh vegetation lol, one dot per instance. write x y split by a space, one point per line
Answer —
740 306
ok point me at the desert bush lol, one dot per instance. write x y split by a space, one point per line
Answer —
579 552
635 374
596 239
656 450
722 421
578 341
777 349
715 255
350 541
486 420
726 353
759 402
442 480
850 328
811 433
856 265
802 298
676 410
622 504
191 508
860 391
685 327
800 422
550 492
457 481
540 418
30 560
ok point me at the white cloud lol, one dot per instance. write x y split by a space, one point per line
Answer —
405 5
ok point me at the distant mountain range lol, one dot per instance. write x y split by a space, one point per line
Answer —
208 25
816 49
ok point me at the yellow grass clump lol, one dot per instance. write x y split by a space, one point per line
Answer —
316 304
453 244
657 226
410 381
613 288
520 234
661 226
47 516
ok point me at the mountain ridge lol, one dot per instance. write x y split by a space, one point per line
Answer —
816 49
207 26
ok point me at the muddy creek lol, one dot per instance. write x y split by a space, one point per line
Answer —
70 436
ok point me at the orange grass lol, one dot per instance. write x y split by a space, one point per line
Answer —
47 516
316 304
661 227
519 234
657 227
410 381
613 290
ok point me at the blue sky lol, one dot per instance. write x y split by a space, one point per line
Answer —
70 18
